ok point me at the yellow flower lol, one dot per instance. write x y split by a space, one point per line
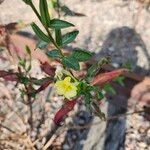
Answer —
66 87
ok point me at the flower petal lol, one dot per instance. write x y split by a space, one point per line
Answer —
67 79
71 93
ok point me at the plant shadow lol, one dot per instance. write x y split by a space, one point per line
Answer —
124 45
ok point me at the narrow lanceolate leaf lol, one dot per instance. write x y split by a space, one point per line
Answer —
45 17
100 95
41 81
58 37
82 55
106 77
120 80
59 24
9 76
94 69
40 33
109 88
69 37
42 44
88 99
71 62
28 50
54 54
68 106
69 12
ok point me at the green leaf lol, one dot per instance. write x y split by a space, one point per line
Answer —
22 62
81 55
71 62
28 50
69 37
108 88
29 67
40 81
45 17
24 80
94 69
67 11
58 37
54 54
42 44
40 33
128 64
87 99
28 2
100 95
59 24
120 80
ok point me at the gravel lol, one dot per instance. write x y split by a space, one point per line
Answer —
111 27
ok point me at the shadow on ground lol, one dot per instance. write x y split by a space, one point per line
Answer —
121 44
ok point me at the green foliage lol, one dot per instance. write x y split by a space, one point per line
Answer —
40 81
81 55
42 44
28 50
22 62
62 9
24 80
40 33
85 86
45 17
60 24
100 95
58 37
128 64
108 88
70 62
88 99
54 54
94 69
120 80
67 11
69 37
28 2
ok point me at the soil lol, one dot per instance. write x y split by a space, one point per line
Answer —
120 29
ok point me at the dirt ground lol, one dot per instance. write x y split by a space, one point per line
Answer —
102 18
121 29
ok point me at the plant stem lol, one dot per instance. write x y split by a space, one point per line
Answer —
35 11
46 28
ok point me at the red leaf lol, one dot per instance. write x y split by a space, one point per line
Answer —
2 30
48 69
8 76
106 77
68 106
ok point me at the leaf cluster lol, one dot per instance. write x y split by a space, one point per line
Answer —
87 86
